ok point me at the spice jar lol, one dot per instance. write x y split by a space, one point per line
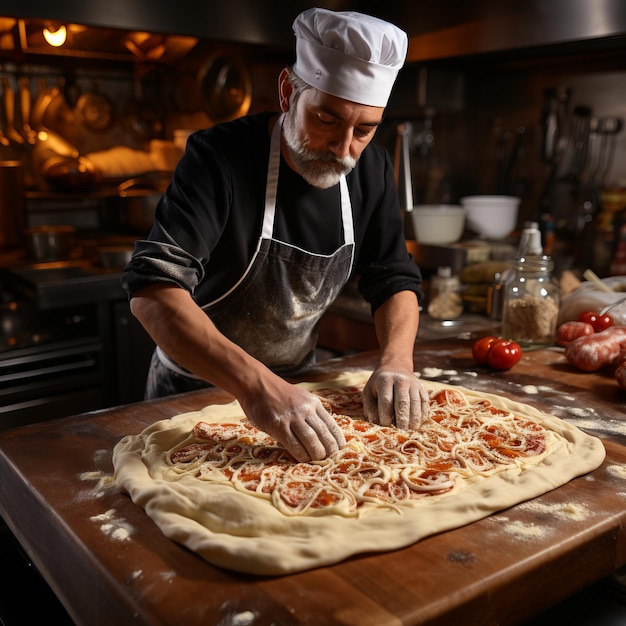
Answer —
531 302
445 297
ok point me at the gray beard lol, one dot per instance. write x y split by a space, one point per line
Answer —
320 169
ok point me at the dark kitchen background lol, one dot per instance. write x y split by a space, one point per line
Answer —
523 98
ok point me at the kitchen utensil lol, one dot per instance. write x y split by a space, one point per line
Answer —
554 140
226 88
61 118
402 165
141 119
608 128
438 224
114 257
8 99
565 191
138 199
66 173
95 110
589 274
50 243
492 216
45 95
71 89
25 101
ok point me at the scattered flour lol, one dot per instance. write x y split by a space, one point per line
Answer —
569 510
617 470
104 481
245 618
435 372
614 427
524 531
530 389
113 526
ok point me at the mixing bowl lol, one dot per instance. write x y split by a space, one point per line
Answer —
492 217
438 224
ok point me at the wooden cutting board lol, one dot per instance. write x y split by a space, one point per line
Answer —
109 563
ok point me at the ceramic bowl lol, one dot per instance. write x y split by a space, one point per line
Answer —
438 224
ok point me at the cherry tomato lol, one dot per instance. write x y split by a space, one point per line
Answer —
499 354
599 322
603 322
481 349
504 354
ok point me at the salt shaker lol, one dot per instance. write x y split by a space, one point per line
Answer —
446 302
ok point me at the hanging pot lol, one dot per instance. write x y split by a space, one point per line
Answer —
141 119
138 199
226 88
95 110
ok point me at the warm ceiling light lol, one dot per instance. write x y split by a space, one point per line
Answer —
57 37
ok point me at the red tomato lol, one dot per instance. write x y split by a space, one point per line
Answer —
481 348
599 322
504 354
499 354
603 322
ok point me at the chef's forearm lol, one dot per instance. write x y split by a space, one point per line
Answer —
187 335
396 322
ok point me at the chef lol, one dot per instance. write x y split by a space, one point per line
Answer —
265 220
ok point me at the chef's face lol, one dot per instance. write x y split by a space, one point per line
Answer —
324 135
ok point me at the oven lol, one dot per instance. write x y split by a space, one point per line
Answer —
51 361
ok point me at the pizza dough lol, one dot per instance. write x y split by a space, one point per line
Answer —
235 529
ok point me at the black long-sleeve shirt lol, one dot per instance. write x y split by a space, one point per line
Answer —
208 222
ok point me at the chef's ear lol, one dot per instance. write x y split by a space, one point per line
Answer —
285 89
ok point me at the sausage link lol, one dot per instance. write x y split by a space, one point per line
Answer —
568 331
620 374
594 352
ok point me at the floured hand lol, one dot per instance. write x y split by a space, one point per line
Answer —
395 398
297 420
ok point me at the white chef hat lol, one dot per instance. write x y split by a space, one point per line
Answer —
349 55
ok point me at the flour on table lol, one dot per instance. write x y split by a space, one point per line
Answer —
617 470
245 618
435 372
530 389
524 531
103 481
569 510
113 526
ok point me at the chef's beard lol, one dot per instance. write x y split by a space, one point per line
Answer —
320 169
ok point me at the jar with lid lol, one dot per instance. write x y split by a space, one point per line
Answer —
445 298
531 302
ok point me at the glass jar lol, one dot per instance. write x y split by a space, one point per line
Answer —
531 303
445 302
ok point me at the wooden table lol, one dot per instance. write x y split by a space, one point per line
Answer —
109 564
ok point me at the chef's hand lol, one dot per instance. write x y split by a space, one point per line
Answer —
398 398
297 420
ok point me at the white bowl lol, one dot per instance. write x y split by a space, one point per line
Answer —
438 224
493 217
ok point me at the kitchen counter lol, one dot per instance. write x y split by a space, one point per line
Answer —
348 326
63 283
109 564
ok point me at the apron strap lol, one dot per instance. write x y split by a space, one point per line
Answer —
271 190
